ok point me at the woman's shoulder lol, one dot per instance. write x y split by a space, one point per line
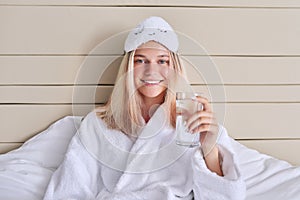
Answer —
95 123
93 115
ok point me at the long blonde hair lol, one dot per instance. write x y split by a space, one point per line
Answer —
123 109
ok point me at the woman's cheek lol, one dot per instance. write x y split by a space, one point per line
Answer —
165 71
137 72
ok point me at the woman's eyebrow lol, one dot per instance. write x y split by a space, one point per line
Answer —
163 55
139 55
143 56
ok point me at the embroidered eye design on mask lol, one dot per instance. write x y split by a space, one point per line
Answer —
162 31
140 30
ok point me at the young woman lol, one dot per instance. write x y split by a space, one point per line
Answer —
126 149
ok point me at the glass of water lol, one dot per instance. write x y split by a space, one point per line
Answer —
186 105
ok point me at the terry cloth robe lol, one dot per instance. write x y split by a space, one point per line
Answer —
102 163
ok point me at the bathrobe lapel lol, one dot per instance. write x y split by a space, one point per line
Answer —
144 152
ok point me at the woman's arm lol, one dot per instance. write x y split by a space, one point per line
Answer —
208 184
213 161
205 123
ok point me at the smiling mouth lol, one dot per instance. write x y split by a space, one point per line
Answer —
151 82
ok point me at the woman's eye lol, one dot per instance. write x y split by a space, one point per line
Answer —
163 62
139 61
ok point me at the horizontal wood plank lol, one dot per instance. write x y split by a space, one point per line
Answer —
281 149
100 94
260 120
6 147
20 122
55 70
196 3
242 120
54 94
59 30
39 69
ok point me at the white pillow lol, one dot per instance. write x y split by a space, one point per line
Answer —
26 171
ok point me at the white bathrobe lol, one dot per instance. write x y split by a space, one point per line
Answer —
105 164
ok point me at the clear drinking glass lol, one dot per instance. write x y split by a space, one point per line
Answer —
186 105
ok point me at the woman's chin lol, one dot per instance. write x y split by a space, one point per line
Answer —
152 92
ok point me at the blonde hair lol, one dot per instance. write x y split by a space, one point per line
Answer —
123 109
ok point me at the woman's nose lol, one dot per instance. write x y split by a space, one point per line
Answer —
151 68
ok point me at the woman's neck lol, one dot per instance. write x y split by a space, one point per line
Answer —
150 106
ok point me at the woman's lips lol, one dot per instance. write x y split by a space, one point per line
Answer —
151 82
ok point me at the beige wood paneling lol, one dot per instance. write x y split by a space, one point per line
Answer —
20 122
255 47
53 70
55 94
281 149
30 29
39 69
260 120
244 3
258 70
6 147
242 120
100 94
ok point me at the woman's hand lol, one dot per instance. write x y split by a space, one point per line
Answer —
205 123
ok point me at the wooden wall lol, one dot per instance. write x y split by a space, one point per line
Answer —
51 53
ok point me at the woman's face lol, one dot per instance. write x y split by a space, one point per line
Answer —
151 65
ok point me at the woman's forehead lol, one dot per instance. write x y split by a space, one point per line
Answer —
151 53
156 50
152 45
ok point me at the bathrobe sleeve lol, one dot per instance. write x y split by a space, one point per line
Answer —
77 177
209 185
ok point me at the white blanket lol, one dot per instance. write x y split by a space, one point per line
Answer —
267 177
25 172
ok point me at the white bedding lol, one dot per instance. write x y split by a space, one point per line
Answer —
25 172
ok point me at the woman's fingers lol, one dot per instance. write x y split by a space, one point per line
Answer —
198 115
201 124
204 122
211 129
205 103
